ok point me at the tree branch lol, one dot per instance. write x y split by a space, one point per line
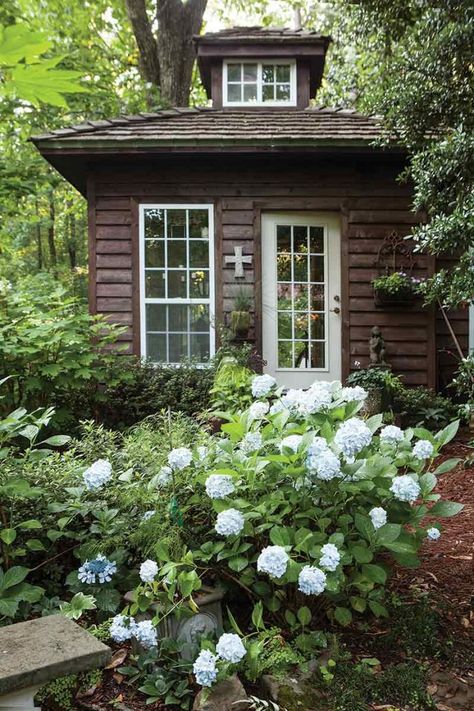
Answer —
147 45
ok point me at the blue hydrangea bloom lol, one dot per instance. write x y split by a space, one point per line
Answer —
325 465
405 488
251 442
229 522
433 534
311 580
230 648
218 486
205 669
273 560
330 557
145 633
97 474
97 571
391 434
258 409
262 384
352 436
378 516
423 449
180 458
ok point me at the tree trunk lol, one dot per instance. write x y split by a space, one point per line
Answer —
71 245
51 242
39 244
167 60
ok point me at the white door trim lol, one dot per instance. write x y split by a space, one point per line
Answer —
332 367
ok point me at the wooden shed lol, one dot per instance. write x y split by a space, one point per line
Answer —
263 193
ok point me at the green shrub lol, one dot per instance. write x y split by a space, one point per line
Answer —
375 379
422 406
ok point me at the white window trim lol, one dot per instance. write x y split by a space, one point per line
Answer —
260 64
148 300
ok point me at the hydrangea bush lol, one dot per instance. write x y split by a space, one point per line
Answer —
309 505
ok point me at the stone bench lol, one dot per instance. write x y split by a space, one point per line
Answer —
35 652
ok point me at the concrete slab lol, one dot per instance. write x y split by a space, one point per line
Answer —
35 652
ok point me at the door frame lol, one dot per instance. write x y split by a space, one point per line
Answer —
339 207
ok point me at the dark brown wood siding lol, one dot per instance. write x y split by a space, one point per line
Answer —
363 191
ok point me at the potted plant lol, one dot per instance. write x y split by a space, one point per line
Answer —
396 289
240 315
380 384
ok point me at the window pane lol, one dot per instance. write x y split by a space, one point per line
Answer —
317 297
155 253
199 284
268 73
284 296
268 93
300 292
284 325
154 223
316 239
316 268
199 254
233 72
198 223
317 326
200 347
156 347
283 73
176 253
317 355
178 345
176 224
300 266
283 92
284 267
250 92
302 354
300 239
177 285
155 317
285 354
301 325
250 72
178 317
234 92
199 318
155 285
283 238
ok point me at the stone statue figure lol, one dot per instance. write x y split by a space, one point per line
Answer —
377 349
193 629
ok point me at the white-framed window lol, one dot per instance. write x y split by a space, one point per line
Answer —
177 283
259 83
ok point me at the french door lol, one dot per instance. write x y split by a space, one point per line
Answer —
301 286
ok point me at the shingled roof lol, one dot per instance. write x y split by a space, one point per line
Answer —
219 129
261 34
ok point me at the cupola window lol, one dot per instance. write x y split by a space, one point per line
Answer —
268 83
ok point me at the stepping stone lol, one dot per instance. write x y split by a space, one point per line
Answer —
35 652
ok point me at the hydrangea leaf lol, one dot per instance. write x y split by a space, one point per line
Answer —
343 615
446 508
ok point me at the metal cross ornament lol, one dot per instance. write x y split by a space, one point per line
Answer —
238 260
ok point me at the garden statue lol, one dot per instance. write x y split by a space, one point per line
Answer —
377 349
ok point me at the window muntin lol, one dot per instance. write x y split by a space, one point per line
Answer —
268 83
301 296
176 274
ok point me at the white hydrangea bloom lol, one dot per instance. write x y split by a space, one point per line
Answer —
311 580
229 522
262 385
252 442
148 515
378 516
202 452
121 628
433 534
205 669
423 449
273 560
218 486
318 396
258 409
352 436
145 634
97 474
164 477
148 571
391 434
325 465
405 488
291 442
330 557
294 401
230 648
353 394
277 407
180 458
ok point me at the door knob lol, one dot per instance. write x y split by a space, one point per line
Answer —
336 310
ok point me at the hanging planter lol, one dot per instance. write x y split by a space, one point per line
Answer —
396 290
240 318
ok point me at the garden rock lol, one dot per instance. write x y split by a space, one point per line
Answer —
292 693
222 697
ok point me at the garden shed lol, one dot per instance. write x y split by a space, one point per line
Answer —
262 194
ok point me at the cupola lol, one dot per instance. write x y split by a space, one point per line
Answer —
256 67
